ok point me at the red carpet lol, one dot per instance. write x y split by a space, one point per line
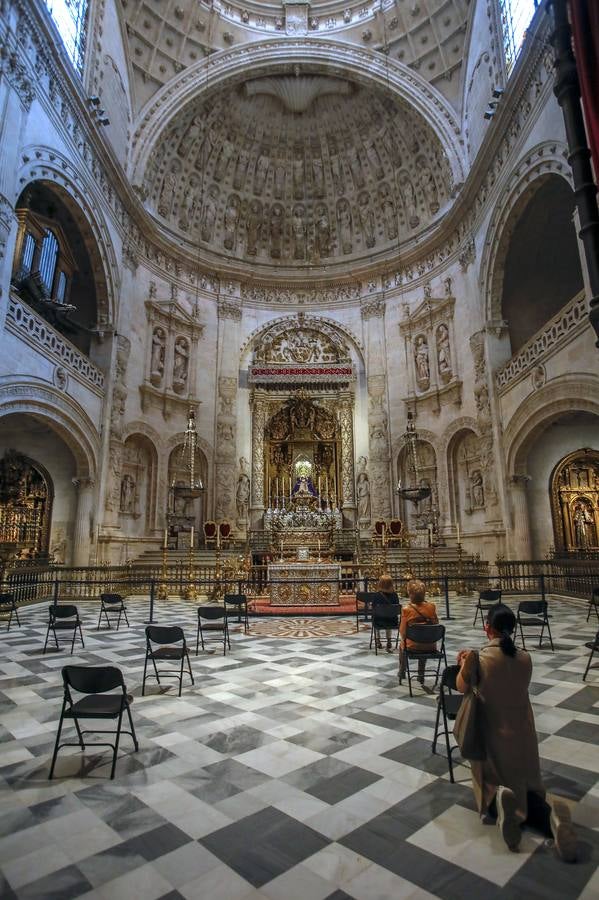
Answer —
262 606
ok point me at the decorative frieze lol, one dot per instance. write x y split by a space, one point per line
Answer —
571 319
39 334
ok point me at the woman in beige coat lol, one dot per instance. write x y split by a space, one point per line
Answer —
508 784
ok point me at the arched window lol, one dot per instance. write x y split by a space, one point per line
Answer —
516 16
71 20
48 257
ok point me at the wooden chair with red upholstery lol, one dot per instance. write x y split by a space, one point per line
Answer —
395 532
210 532
224 529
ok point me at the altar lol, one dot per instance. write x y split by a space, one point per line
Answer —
308 583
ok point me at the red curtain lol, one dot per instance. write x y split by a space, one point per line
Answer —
585 30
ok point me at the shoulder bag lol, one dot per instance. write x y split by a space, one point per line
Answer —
468 728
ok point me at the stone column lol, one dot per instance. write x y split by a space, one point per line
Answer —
259 410
521 542
225 468
82 529
346 424
373 316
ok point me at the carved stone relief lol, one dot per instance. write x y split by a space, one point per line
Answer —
353 173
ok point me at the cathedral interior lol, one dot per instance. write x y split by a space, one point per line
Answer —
292 296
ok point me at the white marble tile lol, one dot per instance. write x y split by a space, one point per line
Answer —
278 758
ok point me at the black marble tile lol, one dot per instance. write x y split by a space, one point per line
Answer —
373 718
567 781
61 885
328 743
581 731
339 895
235 773
417 753
157 842
583 700
237 740
264 845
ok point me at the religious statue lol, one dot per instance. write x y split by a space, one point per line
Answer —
224 156
363 496
231 220
299 232
583 522
477 488
192 133
254 227
181 364
423 372
302 415
209 215
389 218
443 352
261 171
157 359
127 494
276 229
241 169
366 219
298 175
323 230
317 176
345 226
242 494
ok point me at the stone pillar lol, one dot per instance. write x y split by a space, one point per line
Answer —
81 532
373 316
347 493
521 542
259 410
225 468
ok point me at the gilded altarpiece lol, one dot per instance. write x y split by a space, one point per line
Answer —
26 494
575 501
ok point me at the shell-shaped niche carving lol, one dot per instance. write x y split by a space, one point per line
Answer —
294 171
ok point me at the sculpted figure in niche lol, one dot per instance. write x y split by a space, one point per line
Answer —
345 225
583 526
127 494
318 176
378 440
427 180
367 219
323 230
254 227
224 157
241 169
188 208
191 135
261 171
443 352
209 214
298 175
372 154
181 364
478 490
242 494
355 166
276 230
157 359
169 186
363 496
409 196
279 185
231 220
299 232
423 372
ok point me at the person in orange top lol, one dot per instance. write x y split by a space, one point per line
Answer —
418 611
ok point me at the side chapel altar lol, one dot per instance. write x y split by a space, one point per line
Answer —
308 583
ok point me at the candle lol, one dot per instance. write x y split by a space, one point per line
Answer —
319 486
165 540
269 491
218 537
458 532
191 537
319 546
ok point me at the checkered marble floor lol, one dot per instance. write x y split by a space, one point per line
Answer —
294 768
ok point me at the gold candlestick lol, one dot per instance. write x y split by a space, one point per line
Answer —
461 585
163 589
190 592
434 585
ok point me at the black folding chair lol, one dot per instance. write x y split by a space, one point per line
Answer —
423 634
213 620
8 606
364 603
594 603
95 682
384 615
237 605
533 614
448 704
168 637
63 617
114 603
594 648
486 599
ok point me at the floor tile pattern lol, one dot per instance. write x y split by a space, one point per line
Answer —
295 768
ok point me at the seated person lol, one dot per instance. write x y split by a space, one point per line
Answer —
418 611
385 618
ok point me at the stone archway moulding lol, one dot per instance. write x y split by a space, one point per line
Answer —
564 395
43 164
278 56
309 321
543 160
62 414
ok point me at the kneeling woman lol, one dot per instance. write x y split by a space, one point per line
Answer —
508 784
